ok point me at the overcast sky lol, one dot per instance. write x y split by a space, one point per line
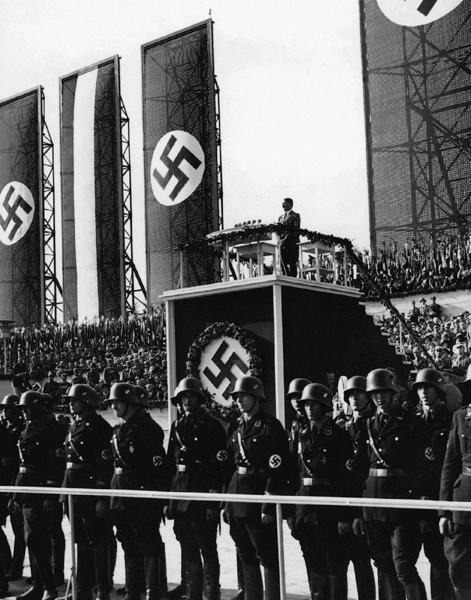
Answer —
292 118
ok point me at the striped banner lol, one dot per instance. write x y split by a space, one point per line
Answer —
91 193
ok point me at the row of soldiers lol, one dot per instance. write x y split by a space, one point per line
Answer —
383 451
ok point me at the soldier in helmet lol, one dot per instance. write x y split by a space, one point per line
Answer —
323 453
198 456
294 394
89 464
140 464
42 463
430 386
400 463
258 455
357 546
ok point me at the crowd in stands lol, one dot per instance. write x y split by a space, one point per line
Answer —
419 267
444 341
99 353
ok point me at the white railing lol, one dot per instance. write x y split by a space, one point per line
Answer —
278 500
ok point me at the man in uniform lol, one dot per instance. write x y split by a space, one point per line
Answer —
357 546
12 419
89 465
456 485
42 463
431 389
323 454
197 455
290 238
139 464
400 463
52 388
258 455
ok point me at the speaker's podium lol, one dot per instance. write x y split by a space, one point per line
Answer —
275 326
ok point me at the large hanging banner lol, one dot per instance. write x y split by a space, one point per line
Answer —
413 13
92 212
21 210
180 159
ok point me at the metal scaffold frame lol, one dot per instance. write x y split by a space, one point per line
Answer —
438 135
136 295
53 303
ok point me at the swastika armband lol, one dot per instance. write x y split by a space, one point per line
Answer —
274 461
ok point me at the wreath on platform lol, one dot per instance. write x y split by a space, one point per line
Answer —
214 332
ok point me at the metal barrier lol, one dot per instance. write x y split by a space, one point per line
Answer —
223 497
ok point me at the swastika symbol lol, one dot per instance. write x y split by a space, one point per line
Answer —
173 167
426 6
275 461
11 212
225 369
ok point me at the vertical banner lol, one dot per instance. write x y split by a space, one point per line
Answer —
180 160
417 91
21 210
91 175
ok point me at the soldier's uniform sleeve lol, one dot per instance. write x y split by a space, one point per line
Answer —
452 464
103 456
55 461
279 461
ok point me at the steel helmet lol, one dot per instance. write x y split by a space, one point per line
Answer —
357 382
188 384
84 393
297 385
35 400
142 396
318 393
380 379
10 400
249 385
432 377
124 392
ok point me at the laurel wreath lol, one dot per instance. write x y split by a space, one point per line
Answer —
214 332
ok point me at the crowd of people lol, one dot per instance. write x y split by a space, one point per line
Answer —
418 267
99 353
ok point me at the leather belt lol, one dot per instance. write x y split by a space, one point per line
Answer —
466 471
182 468
308 481
387 473
120 471
73 466
28 470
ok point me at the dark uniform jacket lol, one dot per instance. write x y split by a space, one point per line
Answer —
259 460
139 456
456 473
197 456
399 459
438 425
88 453
324 460
42 455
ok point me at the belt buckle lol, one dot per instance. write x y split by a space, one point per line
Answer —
307 481
118 471
242 470
181 468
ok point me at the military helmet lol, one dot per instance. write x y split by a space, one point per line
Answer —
380 379
124 392
9 401
188 384
84 393
318 393
297 385
35 400
357 382
48 402
432 377
142 395
248 384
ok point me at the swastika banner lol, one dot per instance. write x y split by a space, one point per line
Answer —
21 273
92 214
180 158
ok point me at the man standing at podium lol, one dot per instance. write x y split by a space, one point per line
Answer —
289 239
